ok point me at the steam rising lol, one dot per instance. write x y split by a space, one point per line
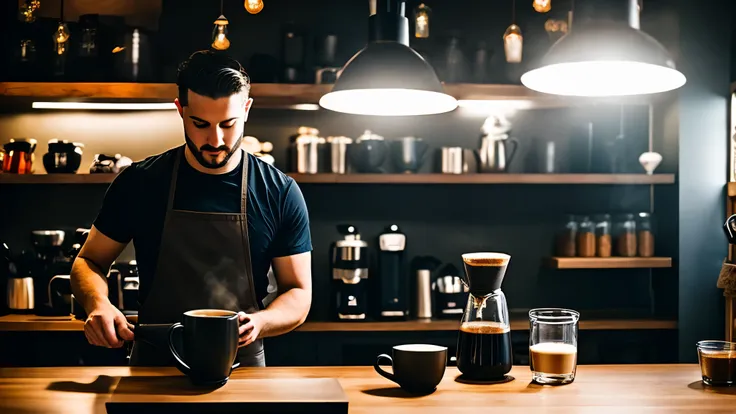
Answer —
221 293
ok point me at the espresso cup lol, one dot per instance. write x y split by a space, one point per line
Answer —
417 368
209 345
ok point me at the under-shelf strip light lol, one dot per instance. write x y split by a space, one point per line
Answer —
114 106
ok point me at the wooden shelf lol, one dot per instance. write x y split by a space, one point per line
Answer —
67 323
452 325
56 178
484 178
385 178
275 94
608 262
731 187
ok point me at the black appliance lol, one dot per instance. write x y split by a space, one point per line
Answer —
349 263
393 278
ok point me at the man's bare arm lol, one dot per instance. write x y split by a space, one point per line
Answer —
105 325
290 308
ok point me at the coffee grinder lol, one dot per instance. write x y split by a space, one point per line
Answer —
349 262
393 274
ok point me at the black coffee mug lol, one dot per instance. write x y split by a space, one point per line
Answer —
209 345
418 368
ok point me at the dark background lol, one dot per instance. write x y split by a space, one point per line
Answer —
690 130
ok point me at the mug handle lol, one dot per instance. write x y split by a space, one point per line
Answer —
510 157
181 365
380 370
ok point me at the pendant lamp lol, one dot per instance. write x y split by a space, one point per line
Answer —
388 77
606 57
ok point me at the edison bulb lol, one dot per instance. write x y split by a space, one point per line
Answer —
219 34
253 6
61 37
513 44
542 6
421 21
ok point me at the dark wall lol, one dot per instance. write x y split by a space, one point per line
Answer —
703 116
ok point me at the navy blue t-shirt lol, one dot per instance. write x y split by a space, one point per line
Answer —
135 206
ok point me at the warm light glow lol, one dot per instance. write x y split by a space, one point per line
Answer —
486 107
219 34
513 44
603 78
104 106
253 6
542 6
388 102
421 21
305 107
61 36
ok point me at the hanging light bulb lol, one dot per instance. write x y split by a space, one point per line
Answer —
219 34
61 38
253 6
513 44
421 21
542 6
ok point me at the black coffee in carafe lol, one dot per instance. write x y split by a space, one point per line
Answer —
484 341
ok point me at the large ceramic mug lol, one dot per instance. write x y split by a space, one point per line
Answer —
208 345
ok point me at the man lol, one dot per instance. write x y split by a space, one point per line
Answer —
207 221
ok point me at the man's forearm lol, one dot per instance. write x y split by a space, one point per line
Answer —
286 312
88 283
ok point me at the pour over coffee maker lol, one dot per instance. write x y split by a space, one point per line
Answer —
484 342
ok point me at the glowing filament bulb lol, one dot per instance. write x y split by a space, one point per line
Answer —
61 37
542 6
421 21
513 43
219 34
253 6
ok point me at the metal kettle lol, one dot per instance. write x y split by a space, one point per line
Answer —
494 154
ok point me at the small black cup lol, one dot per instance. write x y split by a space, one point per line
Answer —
418 368
209 345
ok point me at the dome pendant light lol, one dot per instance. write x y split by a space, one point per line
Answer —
606 58
388 77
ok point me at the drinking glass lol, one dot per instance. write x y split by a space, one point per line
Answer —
553 345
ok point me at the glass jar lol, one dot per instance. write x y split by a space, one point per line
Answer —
626 236
484 350
566 238
586 238
645 235
603 235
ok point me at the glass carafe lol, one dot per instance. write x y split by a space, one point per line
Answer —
484 342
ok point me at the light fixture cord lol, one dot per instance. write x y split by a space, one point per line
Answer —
221 13
513 11
62 11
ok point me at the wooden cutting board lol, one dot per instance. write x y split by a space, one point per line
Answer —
141 395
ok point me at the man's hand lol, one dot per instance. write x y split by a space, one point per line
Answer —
250 328
106 326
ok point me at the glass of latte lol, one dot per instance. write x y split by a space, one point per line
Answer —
553 345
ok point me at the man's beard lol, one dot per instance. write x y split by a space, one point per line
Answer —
197 152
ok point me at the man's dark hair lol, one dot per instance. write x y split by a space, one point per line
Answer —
211 74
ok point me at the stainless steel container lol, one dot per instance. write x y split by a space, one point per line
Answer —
338 147
20 293
457 160
307 153
424 294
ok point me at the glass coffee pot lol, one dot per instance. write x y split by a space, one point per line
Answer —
484 342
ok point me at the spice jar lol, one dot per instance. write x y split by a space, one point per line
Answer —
645 235
602 235
626 236
565 240
586 238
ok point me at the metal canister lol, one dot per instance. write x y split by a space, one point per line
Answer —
339 154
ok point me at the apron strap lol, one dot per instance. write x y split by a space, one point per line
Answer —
174 175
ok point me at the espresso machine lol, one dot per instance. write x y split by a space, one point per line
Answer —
349 262
393 274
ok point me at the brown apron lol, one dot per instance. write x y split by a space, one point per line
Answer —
203 263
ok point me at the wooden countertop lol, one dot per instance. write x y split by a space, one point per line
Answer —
67 323
597 389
